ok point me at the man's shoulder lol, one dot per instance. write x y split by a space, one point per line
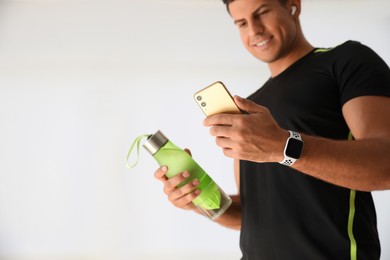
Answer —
349 51
351 46
347 46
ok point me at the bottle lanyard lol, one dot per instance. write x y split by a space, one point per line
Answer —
136 143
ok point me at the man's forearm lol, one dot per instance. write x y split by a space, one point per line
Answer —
232 217
360 165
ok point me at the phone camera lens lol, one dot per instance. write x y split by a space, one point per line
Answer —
199 98
203 104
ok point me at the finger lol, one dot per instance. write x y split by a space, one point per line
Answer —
220 119
224 142
221 131
170 184
248 105
228 152
160 173
183 191
185 202
189 206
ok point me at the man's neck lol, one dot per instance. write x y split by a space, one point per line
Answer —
298 51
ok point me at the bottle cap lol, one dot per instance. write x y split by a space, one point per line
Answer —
155 142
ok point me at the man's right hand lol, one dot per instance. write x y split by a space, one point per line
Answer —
180 197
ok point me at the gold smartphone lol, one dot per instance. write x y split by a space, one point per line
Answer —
216 99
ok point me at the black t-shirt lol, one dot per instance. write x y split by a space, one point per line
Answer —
287 214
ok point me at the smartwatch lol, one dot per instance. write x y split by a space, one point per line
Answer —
293 149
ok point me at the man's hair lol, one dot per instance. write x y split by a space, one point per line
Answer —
227 2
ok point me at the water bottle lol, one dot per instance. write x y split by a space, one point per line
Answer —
212 200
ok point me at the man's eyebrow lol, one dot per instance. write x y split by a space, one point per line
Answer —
239 21
258 8
256 11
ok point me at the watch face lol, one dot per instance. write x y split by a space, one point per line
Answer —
294 148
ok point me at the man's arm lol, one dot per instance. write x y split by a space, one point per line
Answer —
362 164
232 217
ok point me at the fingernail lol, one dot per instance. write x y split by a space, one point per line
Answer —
195 183
197 192
186 174
164 168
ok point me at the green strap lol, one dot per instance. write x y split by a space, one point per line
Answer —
322 50
351 217
350 137
136 143
352 197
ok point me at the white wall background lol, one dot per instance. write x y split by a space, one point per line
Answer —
79 80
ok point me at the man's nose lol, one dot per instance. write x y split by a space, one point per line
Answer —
255 28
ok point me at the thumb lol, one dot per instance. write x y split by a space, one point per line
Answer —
248 105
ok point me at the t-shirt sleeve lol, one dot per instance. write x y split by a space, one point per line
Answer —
361 72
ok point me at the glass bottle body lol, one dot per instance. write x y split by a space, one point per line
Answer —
212 200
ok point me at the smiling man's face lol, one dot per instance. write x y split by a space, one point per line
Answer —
267 28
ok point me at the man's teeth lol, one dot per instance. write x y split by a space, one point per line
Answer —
262 43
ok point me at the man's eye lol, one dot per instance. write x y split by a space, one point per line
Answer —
262 12
241 25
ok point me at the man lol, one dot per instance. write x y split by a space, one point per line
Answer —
314 142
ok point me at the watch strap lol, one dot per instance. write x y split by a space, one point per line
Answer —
287 160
